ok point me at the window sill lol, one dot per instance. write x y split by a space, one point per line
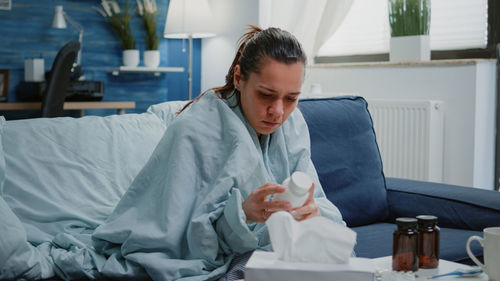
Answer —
402 64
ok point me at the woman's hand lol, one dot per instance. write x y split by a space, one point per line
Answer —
308 210
256 207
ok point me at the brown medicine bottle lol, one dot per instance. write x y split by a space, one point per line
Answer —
404 245
428 244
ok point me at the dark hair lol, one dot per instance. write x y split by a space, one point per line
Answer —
257 45
254 47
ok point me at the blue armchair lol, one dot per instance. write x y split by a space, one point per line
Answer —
345 153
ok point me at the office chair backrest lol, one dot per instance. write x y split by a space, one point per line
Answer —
58 80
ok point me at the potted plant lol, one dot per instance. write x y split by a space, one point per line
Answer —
147 11
410 23
120 24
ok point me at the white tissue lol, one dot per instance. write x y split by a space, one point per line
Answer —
315 240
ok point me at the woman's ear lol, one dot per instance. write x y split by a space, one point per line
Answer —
237 76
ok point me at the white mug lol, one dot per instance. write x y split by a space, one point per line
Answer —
491 250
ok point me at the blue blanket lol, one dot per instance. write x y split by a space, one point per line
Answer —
181 218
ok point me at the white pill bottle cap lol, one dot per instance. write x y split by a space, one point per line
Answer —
297 186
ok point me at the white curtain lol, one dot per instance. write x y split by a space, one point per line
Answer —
312 22
455 25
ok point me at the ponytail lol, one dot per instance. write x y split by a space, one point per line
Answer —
228 88
242 42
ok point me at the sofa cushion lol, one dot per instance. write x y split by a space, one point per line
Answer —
375 241
477 208
346 156
73 171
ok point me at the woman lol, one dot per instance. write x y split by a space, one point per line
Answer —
204 194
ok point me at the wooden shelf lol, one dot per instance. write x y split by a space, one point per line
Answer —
156 71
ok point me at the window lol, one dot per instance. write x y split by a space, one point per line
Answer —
365 30
364 35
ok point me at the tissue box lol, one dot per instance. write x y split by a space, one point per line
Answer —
266 266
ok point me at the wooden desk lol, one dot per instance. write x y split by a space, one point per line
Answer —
120 106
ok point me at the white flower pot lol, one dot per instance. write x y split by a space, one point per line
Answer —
410 48
130 57
151 58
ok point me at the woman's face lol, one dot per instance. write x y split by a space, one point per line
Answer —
268 97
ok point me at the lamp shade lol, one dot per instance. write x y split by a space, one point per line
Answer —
188 18
58 20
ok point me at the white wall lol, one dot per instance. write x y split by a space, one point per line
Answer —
484 133
231 18
468 93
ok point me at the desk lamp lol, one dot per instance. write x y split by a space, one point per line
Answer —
59 21
188 19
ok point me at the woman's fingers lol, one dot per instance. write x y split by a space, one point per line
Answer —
273 206
308 210
268 189
256 207
311 193
304 210
304 217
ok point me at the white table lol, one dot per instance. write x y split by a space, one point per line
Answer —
383 267
385 263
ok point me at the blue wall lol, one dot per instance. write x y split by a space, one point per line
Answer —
25 32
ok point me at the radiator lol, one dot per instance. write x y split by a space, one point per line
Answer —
410 137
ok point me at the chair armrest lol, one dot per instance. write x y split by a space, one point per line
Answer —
455 206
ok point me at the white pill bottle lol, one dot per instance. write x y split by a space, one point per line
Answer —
297 189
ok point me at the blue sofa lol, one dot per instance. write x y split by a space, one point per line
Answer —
345 153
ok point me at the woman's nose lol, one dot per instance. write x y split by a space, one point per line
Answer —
276 109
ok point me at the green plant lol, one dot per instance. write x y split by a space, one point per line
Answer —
119 21
147 11
409 17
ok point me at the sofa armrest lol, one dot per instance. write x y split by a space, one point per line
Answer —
455 206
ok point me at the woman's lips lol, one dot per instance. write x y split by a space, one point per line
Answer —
271 124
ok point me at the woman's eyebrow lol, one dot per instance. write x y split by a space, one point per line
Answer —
274 91
267 88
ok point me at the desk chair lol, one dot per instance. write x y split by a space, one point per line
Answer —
58 80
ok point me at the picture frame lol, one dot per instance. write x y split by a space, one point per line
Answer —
5 4
4 85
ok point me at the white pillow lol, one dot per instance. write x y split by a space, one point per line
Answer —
167 111
67 174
